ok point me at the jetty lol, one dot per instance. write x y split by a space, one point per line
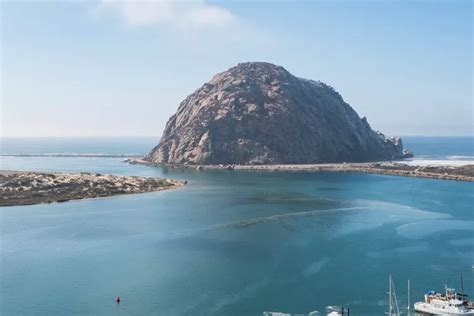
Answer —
456 173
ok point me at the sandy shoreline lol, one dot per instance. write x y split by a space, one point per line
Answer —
26 188
460 173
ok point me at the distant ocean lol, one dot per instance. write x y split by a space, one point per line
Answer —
427 150
441 150
106 147
232 242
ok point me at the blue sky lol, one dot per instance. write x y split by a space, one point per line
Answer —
110 68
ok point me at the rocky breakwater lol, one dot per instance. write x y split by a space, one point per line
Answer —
259 113
23 188
460 173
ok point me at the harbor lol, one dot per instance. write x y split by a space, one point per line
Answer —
447 303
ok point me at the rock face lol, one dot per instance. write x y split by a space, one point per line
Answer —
259 113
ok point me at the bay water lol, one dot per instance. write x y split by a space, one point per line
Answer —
232 242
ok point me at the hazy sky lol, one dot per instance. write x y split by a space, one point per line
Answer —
121 68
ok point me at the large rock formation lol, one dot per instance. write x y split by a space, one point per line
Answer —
259 113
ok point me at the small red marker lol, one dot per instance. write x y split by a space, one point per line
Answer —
117 300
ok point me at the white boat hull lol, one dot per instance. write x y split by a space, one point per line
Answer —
431 310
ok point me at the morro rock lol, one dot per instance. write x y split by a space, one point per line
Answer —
259 113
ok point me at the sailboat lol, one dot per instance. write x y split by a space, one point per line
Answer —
393 309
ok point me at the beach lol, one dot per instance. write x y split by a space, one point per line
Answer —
25 188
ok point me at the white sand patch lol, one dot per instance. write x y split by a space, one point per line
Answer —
436 162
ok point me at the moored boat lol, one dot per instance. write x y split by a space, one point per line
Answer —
337 311
451 303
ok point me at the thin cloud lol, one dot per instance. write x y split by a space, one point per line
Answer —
136 13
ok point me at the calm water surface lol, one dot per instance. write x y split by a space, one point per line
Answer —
232 243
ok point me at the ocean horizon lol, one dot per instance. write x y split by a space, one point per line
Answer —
436 150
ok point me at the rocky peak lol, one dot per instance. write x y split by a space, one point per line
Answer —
257 112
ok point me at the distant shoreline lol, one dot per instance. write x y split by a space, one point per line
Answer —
461 173
72 155
27 188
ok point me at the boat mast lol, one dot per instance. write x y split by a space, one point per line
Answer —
392 299
397 311
390 295
462 287
408 304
